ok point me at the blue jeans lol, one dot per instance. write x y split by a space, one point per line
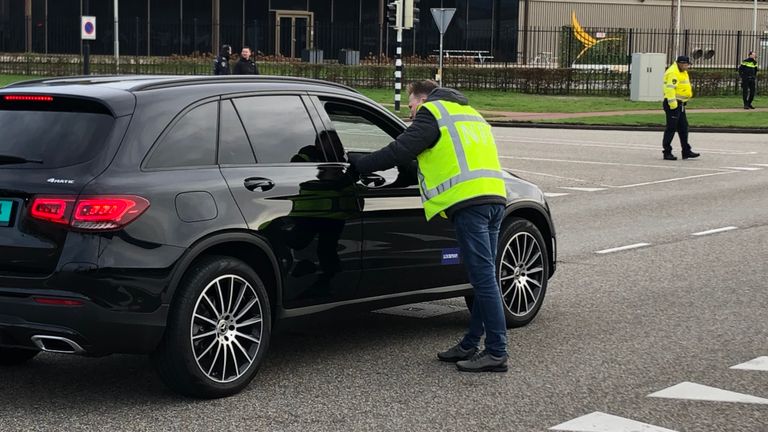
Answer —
477 230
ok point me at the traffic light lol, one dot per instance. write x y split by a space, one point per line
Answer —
411 13
395 14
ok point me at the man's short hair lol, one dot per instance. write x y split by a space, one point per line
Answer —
246 47
422 88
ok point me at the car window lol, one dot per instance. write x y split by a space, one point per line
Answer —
190 142
234 147
279 128
357 128
56 133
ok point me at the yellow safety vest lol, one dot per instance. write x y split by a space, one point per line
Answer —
463 164
677 85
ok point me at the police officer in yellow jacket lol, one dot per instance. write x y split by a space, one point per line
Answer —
460 178
677 93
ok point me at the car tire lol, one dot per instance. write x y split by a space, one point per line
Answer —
218 330
16 356
522 292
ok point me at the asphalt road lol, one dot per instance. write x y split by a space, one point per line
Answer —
616 326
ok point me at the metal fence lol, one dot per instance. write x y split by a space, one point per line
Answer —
505 46
555 61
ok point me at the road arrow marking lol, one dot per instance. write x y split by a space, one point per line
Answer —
602 422
715 231
693 391
758 364
421 310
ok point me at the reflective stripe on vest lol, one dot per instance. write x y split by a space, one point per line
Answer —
486 179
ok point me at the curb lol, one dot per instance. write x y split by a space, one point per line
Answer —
526 124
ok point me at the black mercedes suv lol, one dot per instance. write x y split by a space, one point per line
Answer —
182 217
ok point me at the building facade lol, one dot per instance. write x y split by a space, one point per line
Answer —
272 27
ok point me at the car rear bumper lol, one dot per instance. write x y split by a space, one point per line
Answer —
97 330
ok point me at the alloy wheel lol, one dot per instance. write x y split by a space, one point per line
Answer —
521 274
226 330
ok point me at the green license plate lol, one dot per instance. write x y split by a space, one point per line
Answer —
5 212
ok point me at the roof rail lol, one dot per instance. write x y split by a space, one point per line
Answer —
174 81
75 79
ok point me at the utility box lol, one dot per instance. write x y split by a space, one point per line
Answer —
647 77
349 57
314 56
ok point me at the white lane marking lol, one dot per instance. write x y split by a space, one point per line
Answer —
582 189
758 364
761 165
602 422
715 231
549 175
421 310
671 180
539 140
675 167
692 391
554 194
623 248
743 168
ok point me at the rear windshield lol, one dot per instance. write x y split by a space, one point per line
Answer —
58 134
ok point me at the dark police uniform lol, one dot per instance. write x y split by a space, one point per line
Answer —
245 67
748 74
221 65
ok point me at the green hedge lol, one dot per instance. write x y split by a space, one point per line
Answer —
562 81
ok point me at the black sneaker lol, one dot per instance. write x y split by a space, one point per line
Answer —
747 107
483 362
669 156
456 353
690 155
751 107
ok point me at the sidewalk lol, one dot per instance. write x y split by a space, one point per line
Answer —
501 116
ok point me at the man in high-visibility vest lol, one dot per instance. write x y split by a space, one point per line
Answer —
677 93
460 178
748 74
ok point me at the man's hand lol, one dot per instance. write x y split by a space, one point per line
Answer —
672 104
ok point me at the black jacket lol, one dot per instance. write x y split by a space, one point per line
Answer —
245 67
746 72
422 134
221 65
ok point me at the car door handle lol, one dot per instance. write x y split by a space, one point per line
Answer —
264 184
376 179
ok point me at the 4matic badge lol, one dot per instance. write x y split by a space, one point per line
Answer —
60 181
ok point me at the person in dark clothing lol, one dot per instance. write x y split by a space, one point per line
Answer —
221 64
748 74
460 178
246 65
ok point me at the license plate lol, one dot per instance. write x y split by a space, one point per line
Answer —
5 212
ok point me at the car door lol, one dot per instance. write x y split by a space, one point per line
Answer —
288 192
401 251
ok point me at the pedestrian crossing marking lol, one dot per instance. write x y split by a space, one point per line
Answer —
602 422
743 168
692 391
583 189
555 194
758 364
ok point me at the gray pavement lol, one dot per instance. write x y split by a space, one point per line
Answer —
615 327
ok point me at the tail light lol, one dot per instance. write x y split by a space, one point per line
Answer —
91 213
